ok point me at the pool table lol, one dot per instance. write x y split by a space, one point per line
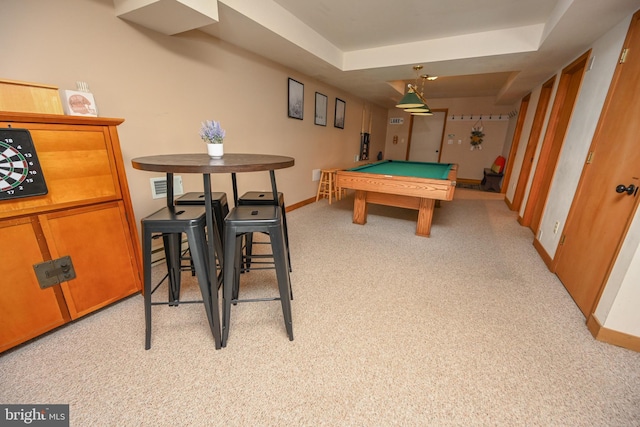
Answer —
404 184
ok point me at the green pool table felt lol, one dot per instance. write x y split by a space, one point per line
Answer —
407 168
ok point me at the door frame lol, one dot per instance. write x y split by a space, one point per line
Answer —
559 120
515 143
532 143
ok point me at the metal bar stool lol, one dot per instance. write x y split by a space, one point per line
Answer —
263 198
220 209
190 220
218 203
250 219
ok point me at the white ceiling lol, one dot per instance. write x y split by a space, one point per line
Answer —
354 25
500 48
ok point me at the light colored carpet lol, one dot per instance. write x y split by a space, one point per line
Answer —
466 328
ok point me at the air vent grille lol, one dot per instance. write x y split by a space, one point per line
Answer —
159 187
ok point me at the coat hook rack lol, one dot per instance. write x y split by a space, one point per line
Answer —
489 117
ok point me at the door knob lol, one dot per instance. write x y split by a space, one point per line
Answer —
629 190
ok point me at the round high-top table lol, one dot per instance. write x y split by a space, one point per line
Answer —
201 163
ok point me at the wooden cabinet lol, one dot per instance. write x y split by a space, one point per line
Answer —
86 215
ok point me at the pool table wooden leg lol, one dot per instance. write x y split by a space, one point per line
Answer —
360 208
425 216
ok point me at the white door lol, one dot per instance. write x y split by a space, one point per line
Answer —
426 137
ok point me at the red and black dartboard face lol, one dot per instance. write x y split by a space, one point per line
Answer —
20 172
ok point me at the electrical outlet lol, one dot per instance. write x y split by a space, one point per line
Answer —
556 226
315 175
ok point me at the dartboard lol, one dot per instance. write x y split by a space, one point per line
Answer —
20 172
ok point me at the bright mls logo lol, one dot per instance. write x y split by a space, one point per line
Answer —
36 415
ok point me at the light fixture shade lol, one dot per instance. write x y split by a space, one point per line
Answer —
422 114
410 100
424 108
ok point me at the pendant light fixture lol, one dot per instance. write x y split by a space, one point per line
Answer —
413 101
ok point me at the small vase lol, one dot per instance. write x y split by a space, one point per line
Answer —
215 151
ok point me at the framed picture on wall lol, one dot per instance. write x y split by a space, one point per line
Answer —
340 108
296 99
321 109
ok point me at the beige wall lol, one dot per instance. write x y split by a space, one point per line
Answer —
165 86
496 142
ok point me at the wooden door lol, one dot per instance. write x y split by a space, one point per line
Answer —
425 144
532 143
27 310
600 216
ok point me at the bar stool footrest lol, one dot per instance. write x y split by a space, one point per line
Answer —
235 301
174 303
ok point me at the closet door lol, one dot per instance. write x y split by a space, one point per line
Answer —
426 137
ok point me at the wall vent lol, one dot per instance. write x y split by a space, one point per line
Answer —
159 187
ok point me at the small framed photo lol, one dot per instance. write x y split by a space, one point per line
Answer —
321 109
296 99
340 108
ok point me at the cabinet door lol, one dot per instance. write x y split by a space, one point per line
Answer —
96 239
26 311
